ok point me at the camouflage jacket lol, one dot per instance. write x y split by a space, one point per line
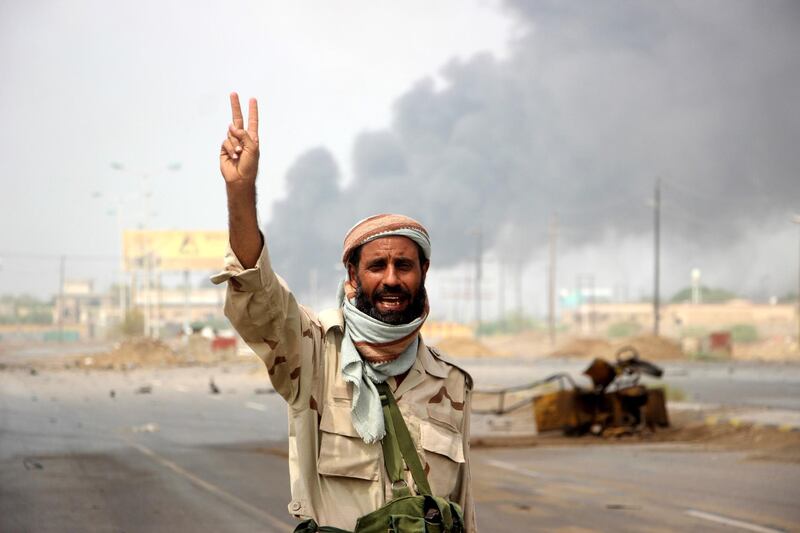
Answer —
335 476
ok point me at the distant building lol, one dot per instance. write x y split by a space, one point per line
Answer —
677 319
80 307
96 315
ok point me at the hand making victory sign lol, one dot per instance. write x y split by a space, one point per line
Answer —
238 158
238 161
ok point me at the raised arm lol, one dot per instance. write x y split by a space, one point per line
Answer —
258 303
238 162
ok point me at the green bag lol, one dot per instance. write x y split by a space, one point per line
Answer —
404 513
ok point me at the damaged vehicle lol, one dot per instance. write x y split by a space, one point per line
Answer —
617 403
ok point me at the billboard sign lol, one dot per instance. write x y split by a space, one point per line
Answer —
173 250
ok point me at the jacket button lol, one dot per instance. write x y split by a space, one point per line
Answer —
295 506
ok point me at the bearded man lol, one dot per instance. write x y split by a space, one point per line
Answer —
329 367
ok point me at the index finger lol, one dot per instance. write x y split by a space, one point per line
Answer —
252 119
236 111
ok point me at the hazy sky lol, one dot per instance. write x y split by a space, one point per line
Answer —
146 84
494 115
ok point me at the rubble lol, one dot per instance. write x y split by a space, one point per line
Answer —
651 347
582 347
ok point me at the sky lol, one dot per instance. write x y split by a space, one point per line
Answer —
146 84
475 117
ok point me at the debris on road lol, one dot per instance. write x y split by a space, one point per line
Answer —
212 386
32 464
145 428
144 389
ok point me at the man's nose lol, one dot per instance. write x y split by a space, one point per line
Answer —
391 278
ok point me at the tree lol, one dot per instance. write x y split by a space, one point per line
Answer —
707 295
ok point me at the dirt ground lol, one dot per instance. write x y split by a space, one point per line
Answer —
140 353
772 349
463 347
529 343
537 344
760 443
649 347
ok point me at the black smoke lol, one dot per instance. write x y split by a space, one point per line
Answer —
594 101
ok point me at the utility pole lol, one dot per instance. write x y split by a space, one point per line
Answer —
478 273
796 220
148 288
187 293
501 293
551 279
592 313
656 253
61 269
518 290
585 293
134 297
157 304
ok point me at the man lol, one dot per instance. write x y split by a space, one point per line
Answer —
327 366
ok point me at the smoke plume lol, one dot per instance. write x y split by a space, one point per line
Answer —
592 103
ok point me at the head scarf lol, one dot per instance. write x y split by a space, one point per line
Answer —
385 225
373 351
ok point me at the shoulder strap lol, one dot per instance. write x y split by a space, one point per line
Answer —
444 358
398 442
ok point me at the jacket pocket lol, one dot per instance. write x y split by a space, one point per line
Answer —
342 452
444 455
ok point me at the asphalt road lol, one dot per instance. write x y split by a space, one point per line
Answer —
75 457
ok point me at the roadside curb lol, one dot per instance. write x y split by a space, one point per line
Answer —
734 421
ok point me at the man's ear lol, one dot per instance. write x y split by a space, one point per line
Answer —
425 266
352 272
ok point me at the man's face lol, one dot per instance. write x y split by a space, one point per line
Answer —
390 280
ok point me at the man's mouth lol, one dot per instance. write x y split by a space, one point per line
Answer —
391 302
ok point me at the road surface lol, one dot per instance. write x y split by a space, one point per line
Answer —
155 450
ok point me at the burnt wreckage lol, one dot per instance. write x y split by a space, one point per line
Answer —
616 404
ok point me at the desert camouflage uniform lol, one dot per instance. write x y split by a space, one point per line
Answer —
335 476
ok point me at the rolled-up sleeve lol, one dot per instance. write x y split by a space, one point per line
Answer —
281 332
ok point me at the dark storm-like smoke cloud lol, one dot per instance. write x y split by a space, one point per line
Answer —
593 102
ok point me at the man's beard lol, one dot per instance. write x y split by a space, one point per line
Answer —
412 311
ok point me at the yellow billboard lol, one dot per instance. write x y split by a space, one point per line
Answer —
173 249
